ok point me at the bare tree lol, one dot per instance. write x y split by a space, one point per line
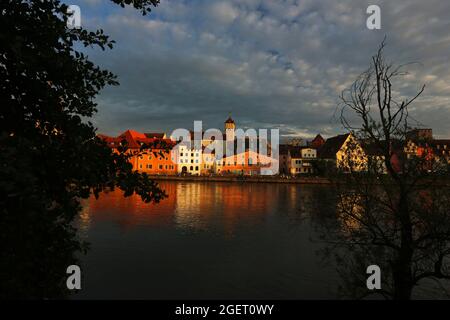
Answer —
396 212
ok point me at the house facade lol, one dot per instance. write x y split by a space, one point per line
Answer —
147 154
346 152
301 160
247 162
188 159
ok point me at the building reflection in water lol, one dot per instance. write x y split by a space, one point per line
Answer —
131 211
350 211
206 240
193 207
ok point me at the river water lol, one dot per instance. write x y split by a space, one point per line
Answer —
208 241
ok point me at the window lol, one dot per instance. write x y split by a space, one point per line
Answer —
196 168
160 166
192 168
166 167
181 154
140 166
192 160
196 161
192 155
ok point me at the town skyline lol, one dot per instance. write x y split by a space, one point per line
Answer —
271 65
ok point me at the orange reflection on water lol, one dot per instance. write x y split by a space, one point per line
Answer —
131 211
190 206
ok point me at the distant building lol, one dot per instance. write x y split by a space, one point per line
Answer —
296 160
230 127
148 154
301 160
189 159
317 142
247 158
421 144
346 152
420 134
247 162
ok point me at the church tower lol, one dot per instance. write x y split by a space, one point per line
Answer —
230 126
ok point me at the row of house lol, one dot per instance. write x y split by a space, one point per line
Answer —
349 153
155 153
343 152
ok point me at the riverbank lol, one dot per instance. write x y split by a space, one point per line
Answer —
241 179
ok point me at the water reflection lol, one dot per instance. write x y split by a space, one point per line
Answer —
230 241
193 206
207 240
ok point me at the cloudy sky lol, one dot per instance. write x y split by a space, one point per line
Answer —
271 63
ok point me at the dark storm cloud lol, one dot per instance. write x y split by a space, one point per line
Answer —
270 63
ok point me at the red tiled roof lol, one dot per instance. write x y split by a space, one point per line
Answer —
135 140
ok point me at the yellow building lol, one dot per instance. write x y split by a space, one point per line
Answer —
346 152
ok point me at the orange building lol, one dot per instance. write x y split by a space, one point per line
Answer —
245 163
150 153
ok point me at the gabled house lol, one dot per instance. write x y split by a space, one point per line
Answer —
317 142
345 152
150 155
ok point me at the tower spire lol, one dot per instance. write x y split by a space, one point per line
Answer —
229 128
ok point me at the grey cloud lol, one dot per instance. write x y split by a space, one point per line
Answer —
270 63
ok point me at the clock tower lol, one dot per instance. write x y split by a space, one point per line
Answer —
230 126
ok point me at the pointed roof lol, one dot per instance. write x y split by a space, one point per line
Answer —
135 135
136 139
229 120
318 137
332 146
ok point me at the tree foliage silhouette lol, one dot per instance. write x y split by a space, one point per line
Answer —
49 154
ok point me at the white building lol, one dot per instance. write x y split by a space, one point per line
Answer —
300 160
188 159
